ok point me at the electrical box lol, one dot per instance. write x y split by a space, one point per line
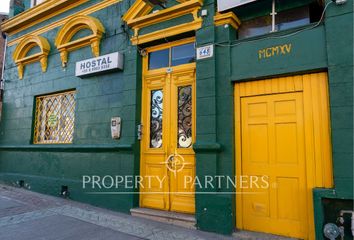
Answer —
116 127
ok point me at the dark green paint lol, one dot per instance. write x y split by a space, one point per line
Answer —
46 168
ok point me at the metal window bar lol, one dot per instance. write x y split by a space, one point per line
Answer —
55 116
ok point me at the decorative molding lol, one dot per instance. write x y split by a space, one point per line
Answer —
227 18
73 26
20 55
138 9
38 14
87 11
137 18
167 14
168 32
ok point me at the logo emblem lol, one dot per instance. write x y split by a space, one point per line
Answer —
175 163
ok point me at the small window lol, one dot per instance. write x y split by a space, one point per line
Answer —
174 56
281 16
55 115
292 18
159 59
183 54
156 118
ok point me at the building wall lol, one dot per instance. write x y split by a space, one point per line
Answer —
3 17
47 168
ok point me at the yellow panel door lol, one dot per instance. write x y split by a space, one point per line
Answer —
168 119
155 142
182 197
273 145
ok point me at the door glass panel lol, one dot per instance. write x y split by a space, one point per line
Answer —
159 59
156 118
184 138
183 54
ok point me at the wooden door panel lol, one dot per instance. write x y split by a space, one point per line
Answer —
176 144
273 145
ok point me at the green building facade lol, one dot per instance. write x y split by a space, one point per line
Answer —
311 48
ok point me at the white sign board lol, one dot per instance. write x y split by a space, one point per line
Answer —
205 52
109 62
227 4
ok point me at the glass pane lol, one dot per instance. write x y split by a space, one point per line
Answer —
292 18
255 27
184 138
183 54
55 116
156 119
159 59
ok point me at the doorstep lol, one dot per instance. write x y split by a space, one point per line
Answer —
174 218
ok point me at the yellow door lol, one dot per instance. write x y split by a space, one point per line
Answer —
168 121
282 132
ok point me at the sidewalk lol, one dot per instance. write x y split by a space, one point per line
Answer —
32 216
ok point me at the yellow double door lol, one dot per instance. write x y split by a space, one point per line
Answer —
167 157
282 132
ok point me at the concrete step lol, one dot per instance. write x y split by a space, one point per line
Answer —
174 218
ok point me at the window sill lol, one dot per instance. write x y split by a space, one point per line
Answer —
68 148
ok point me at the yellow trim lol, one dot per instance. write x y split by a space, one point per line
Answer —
316 121
159 79
25 46
137 17
138 9
65 34
87 11
166 14
169 45
168 32
38 14
227 18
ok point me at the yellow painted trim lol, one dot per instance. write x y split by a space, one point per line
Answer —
316 120
38 14
227 18
137 19
168 32
138 9
20 54
160 79
87 11
167 14
169 45
65 34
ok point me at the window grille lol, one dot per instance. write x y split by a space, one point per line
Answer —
55 115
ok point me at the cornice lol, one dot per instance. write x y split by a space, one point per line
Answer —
38 14
227 18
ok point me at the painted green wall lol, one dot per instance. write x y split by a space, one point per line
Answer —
98 98
46 168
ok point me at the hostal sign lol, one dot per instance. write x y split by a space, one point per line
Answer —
106 63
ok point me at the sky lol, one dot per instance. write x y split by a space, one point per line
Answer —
4 5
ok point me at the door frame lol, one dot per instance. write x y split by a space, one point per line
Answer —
318 148
144 99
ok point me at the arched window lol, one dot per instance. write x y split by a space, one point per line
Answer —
25 46
64 41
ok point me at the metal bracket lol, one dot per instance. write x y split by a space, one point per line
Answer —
140 131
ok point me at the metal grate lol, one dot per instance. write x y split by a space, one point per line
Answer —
55 115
